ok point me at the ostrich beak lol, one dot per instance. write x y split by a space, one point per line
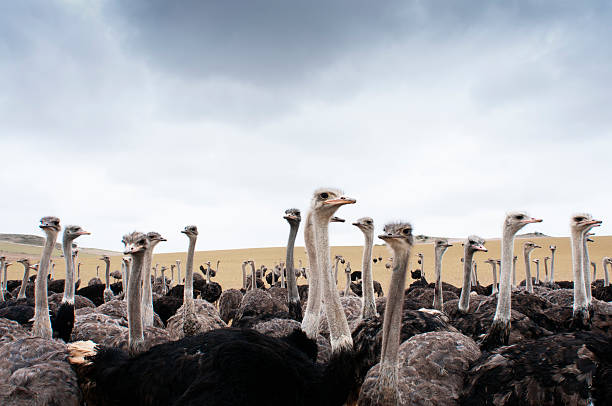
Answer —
83 232
532 220
340 201
480 247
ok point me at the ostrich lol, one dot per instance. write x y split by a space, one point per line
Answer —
499 332
229 303
210 368
366 225
347 285
580 224
26 274
187 321
537 264
493 264
293 217
337 259
212 290
147 289
108 293
64 321
474 243
527 248
546 280
440 247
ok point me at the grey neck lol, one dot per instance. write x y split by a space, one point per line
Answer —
244 277
537 278
347 284
178 270
282 275
368 306
69 282
513 272
163 282
552 266
310 322
580 295
190 321
208 273
128 278
107 275
438 298
504 309
253 276
528 283
42 321
24 281
494 266
546 270
336 261
339 332
604 264
464 299
147 288
392 322
585 268
293 295
134 308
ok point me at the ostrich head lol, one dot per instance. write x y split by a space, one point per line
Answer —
365 224
190 231
135 243
440 246
327 200
516 220
398 236
293 216
475 243
583 222
530 246
337 219
106 259
154 239
25 262
50 225
72 232
490 261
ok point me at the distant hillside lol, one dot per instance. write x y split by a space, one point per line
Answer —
38 241
532 235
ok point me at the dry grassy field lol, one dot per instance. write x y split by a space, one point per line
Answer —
230 274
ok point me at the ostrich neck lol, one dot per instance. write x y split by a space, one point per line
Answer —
134 308
244 278
69 283
337 260
292 291
107 275
546 270
438 298
24 281
503 309
254 276
42 321
339 332
310 322
393 319
347 285
188 291
552 266
208 274
147 288
128 277
604 264
528 283
368 307
494 266
580 297
464 299
2 278
585 268
178 270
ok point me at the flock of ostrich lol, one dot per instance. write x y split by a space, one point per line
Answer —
147 340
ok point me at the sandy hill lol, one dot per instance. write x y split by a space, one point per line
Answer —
230 274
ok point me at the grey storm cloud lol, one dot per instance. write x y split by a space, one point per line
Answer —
115 113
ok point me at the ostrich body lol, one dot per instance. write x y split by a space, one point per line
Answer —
527 248
212 290
474 243
147 288
229 303
368 309
499 332
440 247
293 217
211 368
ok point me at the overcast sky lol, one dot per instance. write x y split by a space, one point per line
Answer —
151 115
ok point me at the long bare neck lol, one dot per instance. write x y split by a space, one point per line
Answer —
392 322
368 306
178 270
207 273
585 268
438 299
147 288
604 264
580 296
2 278
537 277
552 266
494 268
128 277
464 299
107 275
528 283
546 270
134 308
347 284
42 321
244 277
254 277
188 291
310 322
503 310
293 295
339 332
24 281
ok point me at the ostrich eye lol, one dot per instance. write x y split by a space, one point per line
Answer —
579 219
519 217
406 231
369 222
324 195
